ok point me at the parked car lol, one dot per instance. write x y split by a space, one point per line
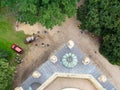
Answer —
17 48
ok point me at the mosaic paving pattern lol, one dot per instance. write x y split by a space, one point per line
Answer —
48 69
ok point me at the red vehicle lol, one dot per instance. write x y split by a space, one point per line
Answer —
17 48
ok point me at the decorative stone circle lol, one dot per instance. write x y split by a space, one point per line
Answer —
53 59
18 88
102 78
36 74
70 44
86 61
69 60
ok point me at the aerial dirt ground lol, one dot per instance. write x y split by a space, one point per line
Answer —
56 38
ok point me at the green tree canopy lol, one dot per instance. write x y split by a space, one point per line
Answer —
6 75
48 12
102 17
4 53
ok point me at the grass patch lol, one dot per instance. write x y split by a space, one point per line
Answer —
8 36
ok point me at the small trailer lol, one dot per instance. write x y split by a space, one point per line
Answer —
33 37
30 39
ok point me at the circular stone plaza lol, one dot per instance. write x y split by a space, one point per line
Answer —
67 69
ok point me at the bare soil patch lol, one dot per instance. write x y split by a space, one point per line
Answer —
56 38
